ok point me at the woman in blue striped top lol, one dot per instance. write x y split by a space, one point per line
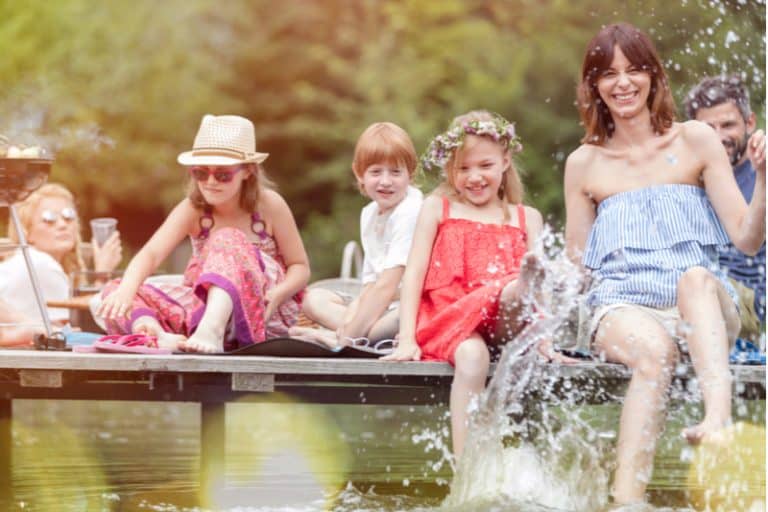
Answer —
647 202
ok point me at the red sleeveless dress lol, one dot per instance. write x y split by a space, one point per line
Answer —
471 263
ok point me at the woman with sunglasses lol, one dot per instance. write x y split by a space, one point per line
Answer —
248 267
52 228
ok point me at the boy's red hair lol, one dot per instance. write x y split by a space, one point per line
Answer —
384 143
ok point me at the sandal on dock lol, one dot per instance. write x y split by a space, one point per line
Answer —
366 346
130 344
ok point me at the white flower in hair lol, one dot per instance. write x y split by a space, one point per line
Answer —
442 146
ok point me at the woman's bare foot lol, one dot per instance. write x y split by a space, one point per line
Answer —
18 335
707 432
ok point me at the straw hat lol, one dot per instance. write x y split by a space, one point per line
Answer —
223 140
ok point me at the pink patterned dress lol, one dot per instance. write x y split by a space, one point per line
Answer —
227 259
470 264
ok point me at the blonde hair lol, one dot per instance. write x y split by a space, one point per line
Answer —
72 260
383 142
250 189
511 190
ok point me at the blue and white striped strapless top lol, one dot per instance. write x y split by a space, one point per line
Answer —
643 240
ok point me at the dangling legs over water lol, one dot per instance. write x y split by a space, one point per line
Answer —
710 312
517 299
634 338
472 361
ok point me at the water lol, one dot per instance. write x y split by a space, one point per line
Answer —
536 444
145 456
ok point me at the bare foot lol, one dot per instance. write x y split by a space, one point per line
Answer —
708 432
165 339
324 336
204 341
18 335
531 276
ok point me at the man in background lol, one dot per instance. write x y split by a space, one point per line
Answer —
723 103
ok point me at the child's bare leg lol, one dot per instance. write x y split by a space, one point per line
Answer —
149 325
209 335
513 310
632 337
709 310
324 307
386 327
472 364
321 335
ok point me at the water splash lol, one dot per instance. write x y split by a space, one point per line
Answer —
529 442
534 443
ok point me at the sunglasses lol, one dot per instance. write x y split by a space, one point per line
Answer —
50 217
222 175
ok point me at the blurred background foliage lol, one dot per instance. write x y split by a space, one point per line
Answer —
117 88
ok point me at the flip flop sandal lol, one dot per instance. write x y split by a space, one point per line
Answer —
382 347
130 344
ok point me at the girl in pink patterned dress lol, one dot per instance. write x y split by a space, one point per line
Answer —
248 268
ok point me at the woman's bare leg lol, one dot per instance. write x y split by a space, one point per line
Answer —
472 364
713 319
635 339
20 331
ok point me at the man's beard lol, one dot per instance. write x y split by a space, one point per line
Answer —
739 147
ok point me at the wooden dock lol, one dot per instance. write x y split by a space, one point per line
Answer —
212 381
199 378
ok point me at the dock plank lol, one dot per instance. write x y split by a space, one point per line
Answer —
42 360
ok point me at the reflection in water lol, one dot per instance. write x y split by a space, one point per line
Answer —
144 456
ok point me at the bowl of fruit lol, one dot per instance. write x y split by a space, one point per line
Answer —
23 169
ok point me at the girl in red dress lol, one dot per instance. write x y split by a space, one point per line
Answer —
468 275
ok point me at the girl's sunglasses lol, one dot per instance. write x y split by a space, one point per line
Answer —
222 175
50 216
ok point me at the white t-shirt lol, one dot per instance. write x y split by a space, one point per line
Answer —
16 285
387 238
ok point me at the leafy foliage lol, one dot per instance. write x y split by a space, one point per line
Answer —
119 87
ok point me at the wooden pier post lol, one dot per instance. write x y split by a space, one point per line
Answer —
6 452
212 448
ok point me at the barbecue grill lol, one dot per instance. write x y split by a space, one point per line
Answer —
19 177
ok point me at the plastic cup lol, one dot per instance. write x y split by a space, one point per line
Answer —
102 228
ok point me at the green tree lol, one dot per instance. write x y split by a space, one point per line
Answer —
120 87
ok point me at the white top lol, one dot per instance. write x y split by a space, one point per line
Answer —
387 238
16 285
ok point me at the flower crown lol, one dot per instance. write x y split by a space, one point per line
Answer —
442 146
